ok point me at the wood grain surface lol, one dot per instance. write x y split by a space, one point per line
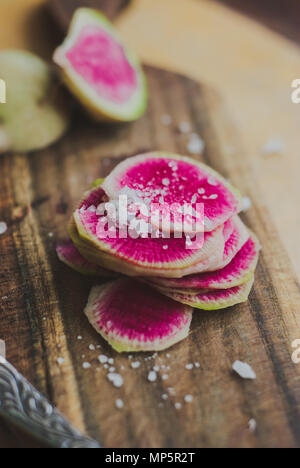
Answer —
42 301
63 9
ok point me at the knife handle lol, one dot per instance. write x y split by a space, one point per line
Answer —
23 405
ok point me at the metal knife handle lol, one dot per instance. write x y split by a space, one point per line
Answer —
23 405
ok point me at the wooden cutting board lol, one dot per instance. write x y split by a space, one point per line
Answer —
42 301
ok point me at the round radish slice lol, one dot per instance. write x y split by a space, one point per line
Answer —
68 254
104 75
214 299
172 180
133 317
237 272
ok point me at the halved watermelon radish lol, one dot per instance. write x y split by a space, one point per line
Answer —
104 75
165 178
237 272
147 253
214 299
133 317
69 254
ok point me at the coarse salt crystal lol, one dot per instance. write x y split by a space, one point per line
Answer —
189 366
112 369
273 146
252 425
86 365
3 227
92 347
165 377
178 406
185 127
119 404
79 337
244 370
246 204
135 365
116 379
164 396
102 358
188 398
165 247
195 145
152 376
197 364
60 361
166 182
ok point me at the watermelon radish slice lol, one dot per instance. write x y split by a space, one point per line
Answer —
68 254
150 254
214 299
164 178
239 271
104 75
133 317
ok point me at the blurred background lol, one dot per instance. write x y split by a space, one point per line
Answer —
248 50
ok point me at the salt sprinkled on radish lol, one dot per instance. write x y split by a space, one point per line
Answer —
166 182
244 370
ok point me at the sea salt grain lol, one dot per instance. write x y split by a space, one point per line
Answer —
166 182
273 146
152 376
252 425
116 379
111 361
246 204
79 337
102 359
185 127
188 398
3 227
92 347
135 365
119 404
60 361
86 365
195 145
178 406
244 370
189 366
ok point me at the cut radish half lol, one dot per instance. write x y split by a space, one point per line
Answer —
104 75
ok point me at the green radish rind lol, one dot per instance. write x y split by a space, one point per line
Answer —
101 109
214 299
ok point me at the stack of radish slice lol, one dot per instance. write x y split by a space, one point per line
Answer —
135 223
